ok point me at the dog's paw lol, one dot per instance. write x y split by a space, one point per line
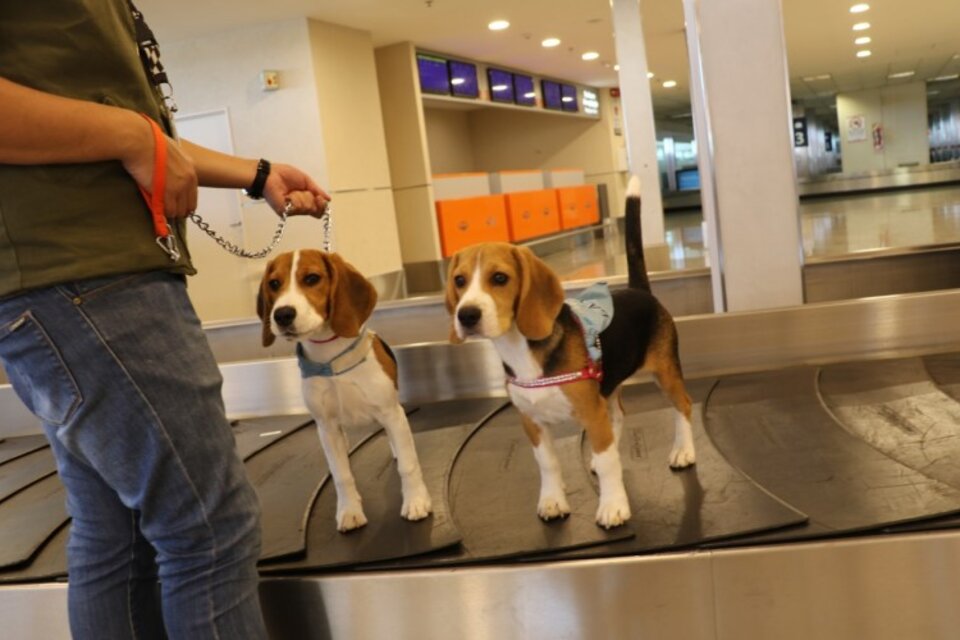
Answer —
613 512
417 505
551 507
350 517
682 457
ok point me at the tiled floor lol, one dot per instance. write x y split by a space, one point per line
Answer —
830 226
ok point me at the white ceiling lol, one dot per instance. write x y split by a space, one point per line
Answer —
920 35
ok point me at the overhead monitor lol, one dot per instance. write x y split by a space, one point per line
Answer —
523 90
568 97
434 75
688 179
463 79
501 85
551 94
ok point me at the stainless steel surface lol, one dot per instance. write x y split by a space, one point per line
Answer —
881 588
900 177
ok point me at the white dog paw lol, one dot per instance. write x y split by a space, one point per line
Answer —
350 517
613 512
551 507
682 457
417 505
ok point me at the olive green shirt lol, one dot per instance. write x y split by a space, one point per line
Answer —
68 222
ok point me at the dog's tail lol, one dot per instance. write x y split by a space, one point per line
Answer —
636 264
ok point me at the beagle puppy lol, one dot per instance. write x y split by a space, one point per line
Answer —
561 366
349 373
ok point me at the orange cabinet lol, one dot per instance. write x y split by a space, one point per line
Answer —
532 213
578 206
467 221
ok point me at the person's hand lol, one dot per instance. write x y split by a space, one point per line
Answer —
288 184
180 192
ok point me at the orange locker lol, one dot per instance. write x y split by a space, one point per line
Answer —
532 214
578 206
467 221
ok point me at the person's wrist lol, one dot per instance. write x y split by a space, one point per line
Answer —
135 136
255 189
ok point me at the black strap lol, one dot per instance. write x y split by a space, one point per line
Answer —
150 58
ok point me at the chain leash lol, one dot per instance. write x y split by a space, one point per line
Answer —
277 235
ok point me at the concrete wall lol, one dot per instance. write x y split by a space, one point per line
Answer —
902 112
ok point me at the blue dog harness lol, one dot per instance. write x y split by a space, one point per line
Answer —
593 310
350 358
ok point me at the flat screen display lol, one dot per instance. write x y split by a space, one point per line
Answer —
568 97
551 94
501 85
463 79
688 179
523 91
434 75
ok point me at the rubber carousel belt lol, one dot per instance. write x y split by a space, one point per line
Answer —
675 509
773 427
12 448
387 537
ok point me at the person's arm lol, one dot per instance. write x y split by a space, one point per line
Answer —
284 183
42 128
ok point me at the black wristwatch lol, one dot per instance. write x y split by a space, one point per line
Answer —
255 190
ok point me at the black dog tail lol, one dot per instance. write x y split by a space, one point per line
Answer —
636 264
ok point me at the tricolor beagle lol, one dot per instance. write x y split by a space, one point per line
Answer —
349 373
551 354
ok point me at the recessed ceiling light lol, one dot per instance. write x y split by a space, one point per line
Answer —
861 26
550 42
498 25
616 67
669 84
952 76
822 76
863 40
859 8
901 74
864 53
590 55
649 75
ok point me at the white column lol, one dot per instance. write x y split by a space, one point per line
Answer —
637 106
743 118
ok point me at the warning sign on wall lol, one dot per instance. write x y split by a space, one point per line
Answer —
856 129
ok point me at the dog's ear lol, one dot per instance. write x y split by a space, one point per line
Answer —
351 299
540 297
452 298
263 310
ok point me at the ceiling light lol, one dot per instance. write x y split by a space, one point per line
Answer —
669 84
616 67
822 76
861 26
590 55
953 76
863 40
859 8
901 74
550 42
498 25
864 53
649 75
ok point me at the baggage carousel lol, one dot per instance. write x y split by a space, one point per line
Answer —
825 501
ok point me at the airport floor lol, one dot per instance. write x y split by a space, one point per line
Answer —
831 226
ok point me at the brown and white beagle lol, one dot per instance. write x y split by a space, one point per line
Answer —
349 373
507 294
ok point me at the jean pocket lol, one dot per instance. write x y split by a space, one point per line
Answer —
37 372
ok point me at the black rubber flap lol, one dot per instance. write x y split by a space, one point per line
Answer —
29 518
255 434
893 406
944 369
675 509
13 448
23 471
49 563
772 426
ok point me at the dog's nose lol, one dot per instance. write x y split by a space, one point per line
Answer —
284 316
469 316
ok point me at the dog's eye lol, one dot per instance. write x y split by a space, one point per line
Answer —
311 279
499 278
274 285
460 281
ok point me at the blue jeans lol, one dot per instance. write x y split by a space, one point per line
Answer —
120 373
